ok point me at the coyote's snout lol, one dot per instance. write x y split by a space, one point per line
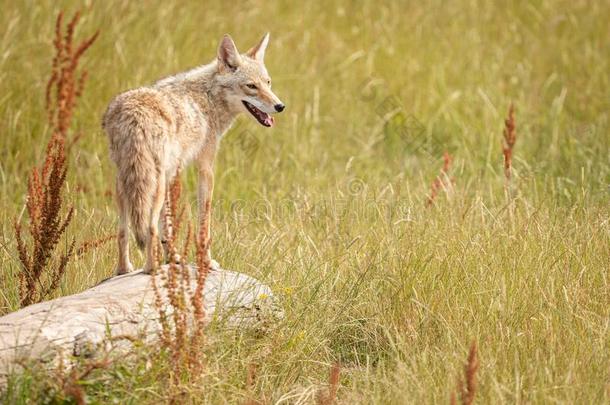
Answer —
153 131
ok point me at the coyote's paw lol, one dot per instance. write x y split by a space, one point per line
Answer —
149 267
124 269
175 259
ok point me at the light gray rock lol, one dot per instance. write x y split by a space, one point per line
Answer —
124 305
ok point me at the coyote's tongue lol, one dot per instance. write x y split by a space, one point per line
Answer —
261 116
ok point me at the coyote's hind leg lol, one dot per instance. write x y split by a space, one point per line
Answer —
166 227
124 265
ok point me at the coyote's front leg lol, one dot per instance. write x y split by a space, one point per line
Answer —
205 190
152 242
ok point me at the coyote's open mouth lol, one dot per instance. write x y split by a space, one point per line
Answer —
262 117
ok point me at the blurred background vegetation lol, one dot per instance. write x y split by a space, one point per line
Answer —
329 206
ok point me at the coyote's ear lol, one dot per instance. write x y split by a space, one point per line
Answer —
228 56
258 52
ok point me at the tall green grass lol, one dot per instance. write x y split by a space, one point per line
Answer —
329 207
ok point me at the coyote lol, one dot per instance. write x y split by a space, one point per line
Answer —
154 131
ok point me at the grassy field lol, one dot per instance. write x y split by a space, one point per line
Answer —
329 207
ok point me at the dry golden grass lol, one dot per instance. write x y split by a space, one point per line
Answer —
329 207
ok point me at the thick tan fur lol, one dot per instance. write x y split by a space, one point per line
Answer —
153 131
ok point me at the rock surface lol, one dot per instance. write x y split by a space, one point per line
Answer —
124 305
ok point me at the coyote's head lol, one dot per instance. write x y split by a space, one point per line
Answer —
246 83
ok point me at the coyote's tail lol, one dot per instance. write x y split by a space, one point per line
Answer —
136 179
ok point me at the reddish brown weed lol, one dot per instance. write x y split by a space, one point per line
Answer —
181 311
442 181
510 137
42 267
330 397
468 389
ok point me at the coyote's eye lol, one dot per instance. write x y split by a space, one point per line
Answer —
251 86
